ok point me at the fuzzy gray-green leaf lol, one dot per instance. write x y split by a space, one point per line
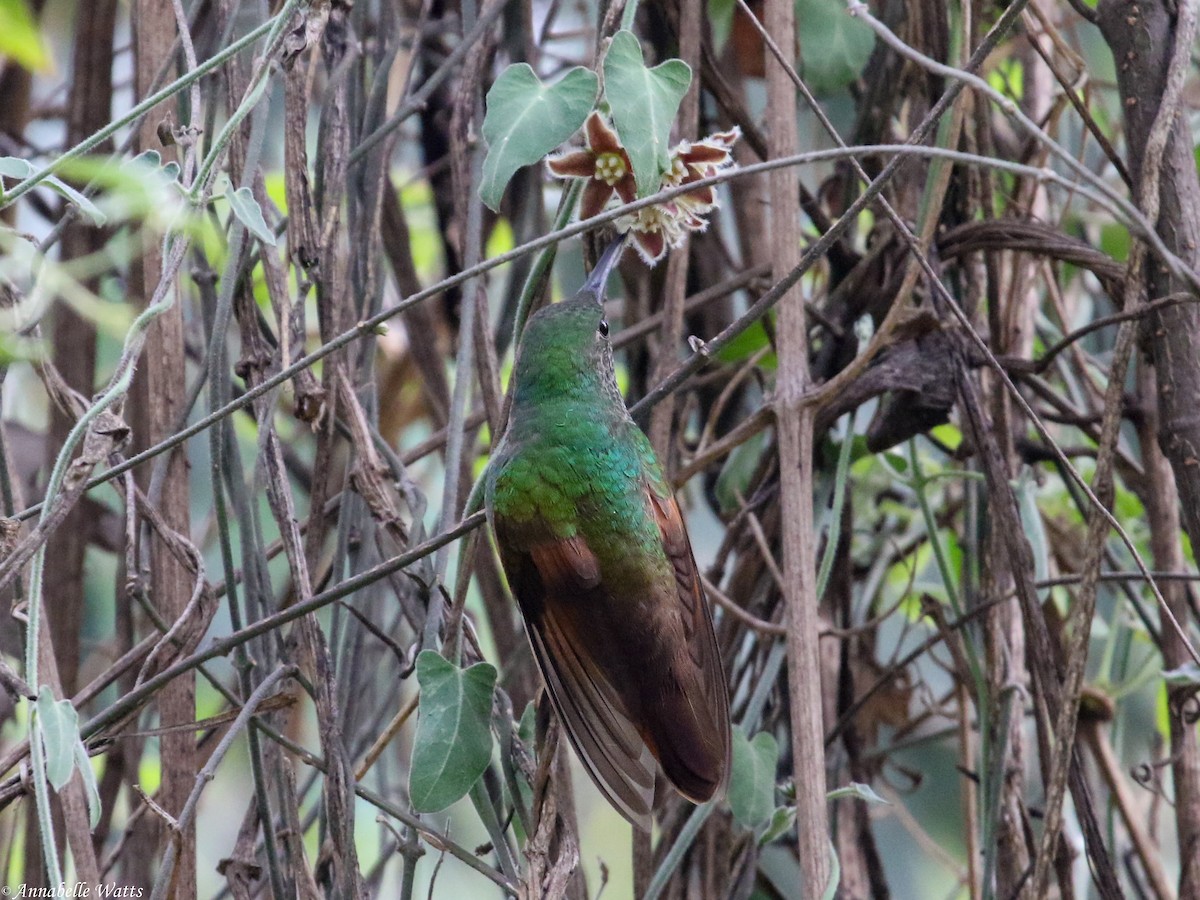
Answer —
454 741
526 119
752 783
60 731
833 44
856 790
249 213
644 103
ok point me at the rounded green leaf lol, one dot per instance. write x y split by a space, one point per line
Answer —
644 103
526 119
454 741
15 167
833 44
752 782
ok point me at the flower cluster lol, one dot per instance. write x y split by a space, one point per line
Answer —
605 165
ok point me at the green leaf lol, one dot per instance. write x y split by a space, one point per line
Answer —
746 344
1187 675
1115 241
454 742
150 161
86 206
738 471
19 37
833 44
527 726
781 821
58 722
857 791
249 213
60 732
84 765
1034 528
752 783
526 119
949 435
15 167
720 21
644 103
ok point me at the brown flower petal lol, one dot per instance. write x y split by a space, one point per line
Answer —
703 153
626 188
651 245
728 138
595 196
600 137
576 164
704 196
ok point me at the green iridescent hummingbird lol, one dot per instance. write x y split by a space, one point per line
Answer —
598 557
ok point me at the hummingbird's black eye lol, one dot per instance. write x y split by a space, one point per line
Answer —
603 328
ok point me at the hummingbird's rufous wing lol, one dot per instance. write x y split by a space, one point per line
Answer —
694 742
629 689
557 584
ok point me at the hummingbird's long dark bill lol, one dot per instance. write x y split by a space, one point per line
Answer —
594 286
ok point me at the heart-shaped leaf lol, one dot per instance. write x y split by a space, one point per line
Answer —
526 119
60 730
833 44
752 782
58 722
644 103
454 742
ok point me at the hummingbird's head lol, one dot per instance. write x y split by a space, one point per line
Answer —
565 351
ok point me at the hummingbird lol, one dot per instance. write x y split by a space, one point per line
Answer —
596 553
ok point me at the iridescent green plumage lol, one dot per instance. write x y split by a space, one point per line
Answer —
597 555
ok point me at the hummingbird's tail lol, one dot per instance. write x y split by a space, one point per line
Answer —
594 286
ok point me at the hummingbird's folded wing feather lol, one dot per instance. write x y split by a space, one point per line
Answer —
695 746
554 583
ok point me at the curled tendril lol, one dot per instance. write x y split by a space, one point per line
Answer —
1189 710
